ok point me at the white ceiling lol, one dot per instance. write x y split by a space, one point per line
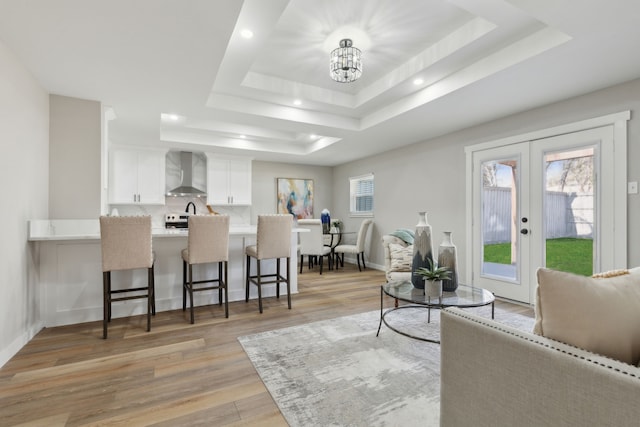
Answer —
480 60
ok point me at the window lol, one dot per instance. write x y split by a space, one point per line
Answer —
361 195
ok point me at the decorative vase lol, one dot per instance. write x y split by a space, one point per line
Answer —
325 218
422 249
448 257
433 288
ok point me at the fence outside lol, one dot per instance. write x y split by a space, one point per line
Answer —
567 215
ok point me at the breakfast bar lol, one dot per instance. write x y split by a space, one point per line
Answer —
67 254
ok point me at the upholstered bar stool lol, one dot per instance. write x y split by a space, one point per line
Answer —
208 242
126 245
273 242
312 243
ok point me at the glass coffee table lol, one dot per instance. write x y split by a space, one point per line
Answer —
463 297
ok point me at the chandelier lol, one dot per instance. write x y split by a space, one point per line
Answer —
346 62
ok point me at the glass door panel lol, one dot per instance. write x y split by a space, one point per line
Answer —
499 219
569 199
500 229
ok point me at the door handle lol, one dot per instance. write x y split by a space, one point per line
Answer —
524 231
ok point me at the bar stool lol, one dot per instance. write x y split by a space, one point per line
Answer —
273 242
126 245
208 242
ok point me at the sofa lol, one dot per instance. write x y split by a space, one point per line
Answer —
495 375
397 263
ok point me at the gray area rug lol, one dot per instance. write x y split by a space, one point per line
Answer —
338 373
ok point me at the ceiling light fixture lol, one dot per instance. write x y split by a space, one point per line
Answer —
346 62
297 102
418 81
246 33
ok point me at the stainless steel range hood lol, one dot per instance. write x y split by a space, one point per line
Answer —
186 187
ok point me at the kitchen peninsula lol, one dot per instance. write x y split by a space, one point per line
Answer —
68 258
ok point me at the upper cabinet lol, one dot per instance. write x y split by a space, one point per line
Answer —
136 176
228 180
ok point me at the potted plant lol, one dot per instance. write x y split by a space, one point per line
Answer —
433 276
336 225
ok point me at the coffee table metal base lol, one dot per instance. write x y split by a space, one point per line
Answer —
383 319
486 299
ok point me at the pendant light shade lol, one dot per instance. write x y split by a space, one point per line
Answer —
346 62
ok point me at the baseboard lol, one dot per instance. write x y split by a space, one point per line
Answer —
7 353
353 260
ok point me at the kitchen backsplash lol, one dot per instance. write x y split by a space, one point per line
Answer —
239 215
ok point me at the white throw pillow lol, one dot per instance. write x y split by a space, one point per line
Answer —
401 257
601 315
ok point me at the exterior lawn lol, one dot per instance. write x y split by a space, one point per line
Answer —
565 254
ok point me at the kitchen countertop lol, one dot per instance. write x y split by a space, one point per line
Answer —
89 229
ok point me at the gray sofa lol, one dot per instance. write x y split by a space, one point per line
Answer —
495 375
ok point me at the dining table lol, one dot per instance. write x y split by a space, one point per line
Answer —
332 239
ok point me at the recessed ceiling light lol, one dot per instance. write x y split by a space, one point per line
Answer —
313 136
297 102
418 81
169 117
246 33
243 136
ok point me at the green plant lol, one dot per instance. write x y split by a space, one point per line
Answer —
433 272
336 223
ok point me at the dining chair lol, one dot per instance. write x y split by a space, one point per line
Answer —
357 249
273 241
312 244
207 243
126 245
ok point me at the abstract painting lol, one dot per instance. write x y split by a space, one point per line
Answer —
295 196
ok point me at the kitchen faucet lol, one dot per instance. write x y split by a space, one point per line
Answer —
191 204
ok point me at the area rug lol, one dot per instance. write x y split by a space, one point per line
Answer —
338 373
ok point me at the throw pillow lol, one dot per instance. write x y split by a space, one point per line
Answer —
401 257
600 315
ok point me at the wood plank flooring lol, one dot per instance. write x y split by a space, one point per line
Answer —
178 374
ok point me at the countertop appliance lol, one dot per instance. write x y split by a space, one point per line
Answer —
176 220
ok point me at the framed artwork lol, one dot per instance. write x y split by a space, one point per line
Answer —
295 196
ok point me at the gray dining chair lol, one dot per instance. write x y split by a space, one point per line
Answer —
357 249
312 244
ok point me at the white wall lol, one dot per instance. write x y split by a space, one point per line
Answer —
74 158
24 166
430 175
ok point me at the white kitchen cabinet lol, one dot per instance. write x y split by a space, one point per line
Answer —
136 176
228 180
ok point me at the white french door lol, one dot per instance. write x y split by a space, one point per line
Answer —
545 202
501 214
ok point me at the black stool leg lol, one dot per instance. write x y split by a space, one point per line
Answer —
106 277
184 285
149 296
190 284
246 299
289 282
259 287
226 290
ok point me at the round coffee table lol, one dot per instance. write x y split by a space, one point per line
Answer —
464 296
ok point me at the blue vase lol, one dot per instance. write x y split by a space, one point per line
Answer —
325 218
422 250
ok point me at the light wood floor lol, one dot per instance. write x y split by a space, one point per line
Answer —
178 374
